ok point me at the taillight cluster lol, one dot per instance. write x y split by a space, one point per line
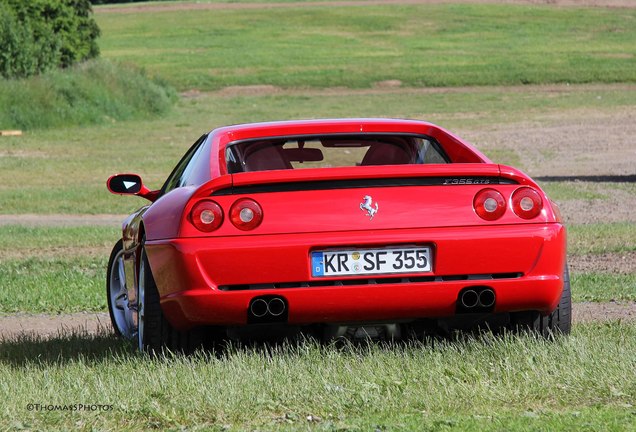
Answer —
245 214
206 215
525 202
489 204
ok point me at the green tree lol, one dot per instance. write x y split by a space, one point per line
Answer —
36 35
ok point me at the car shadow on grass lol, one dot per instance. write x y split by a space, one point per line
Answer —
27 350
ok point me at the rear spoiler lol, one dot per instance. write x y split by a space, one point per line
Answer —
362 177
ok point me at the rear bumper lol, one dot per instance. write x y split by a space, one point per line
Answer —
528 259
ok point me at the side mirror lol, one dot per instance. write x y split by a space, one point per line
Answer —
130 184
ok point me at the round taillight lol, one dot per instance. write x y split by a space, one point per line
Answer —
246 214
206 216
526 203
489 204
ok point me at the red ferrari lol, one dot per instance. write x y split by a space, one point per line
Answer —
359 227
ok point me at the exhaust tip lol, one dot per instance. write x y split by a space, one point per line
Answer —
276 307
469 299
487 298
259 308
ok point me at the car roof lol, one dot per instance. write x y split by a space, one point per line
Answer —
322 126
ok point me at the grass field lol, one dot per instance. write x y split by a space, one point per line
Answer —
64 170
583 382
428 45
489 383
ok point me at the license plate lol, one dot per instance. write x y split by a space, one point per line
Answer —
415 259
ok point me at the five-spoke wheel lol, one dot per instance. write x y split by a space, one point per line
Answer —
121 311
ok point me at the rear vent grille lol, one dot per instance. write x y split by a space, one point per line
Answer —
374 281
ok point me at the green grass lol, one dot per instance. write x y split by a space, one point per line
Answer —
601 238
16 239
64 170
504 156
94 92
425 45
583 382
53 285
602 287
561 191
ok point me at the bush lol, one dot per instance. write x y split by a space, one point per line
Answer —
94 92
38 35
25 50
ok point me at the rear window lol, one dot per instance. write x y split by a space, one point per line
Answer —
332 151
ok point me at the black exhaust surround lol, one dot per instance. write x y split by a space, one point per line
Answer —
476 299
267 309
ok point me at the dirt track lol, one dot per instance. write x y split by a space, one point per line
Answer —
171 7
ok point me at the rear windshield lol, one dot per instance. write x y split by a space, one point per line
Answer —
332 151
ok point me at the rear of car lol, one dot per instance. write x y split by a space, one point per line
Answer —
359 221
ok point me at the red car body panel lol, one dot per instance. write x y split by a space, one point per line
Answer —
211 278
190 271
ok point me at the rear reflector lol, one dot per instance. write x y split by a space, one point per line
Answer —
206 216
246 214
526 203
489 204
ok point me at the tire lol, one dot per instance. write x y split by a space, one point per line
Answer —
154 333
557 322
121 315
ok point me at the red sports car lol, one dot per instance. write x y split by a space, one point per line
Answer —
353 226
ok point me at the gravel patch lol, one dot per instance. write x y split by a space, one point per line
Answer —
615 263
572 143
616 208
601 312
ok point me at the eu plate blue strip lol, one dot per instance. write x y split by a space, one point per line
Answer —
317 264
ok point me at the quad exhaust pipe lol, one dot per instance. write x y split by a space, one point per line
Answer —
276 307
259 308
266 309
487 298
476 298
469 299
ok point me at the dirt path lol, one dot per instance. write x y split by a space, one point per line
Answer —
12 326
395 87
47 326
612 263
171 7
62 220
588 312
